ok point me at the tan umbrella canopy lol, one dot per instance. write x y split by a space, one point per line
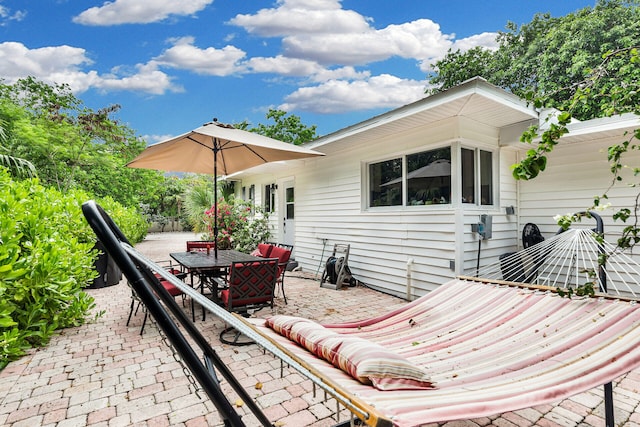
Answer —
215 149
438 168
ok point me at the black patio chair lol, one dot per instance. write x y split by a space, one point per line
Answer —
250 288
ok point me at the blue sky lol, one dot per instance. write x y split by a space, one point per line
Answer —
174 65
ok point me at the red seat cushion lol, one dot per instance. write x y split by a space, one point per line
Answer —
173 291
283 256
256 299
265 249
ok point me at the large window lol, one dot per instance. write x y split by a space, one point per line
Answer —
477 188
424 178
427 180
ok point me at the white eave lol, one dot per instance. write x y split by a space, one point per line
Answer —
475 99
603 128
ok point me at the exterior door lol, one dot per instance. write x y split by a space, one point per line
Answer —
288 213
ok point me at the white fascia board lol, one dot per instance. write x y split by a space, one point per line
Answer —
476 85
604 124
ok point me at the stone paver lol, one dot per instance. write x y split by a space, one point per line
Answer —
107 374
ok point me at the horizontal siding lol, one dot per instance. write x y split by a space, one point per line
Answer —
329 210
575 174
433 238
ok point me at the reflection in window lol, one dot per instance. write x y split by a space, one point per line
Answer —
472 159
385 183
429 177
424 178
486 178
468 175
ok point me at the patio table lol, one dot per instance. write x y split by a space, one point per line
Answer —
207 267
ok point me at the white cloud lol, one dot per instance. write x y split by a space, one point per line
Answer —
210 61
338 96
146 78
283 66
7 15
302 17
64 65
138 12
321 31
17 61
341 73
293 67
420 40
487 40
152 139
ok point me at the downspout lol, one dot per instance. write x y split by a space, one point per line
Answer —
409 284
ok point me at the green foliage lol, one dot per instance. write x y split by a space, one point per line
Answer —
198 198
580 291
46 258
71 145
551 56
129 220
457 67
167 199
287 128
240 226
20 168
613 98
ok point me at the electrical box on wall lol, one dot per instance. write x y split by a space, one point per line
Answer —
484 227
487 222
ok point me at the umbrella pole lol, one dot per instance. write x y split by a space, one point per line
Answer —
215 197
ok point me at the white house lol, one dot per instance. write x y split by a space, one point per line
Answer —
408 188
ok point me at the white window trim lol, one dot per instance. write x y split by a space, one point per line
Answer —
456 178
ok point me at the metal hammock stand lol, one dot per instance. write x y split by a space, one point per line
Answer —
565 261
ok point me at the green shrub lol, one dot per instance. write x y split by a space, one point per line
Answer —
46 259
239 226
130 221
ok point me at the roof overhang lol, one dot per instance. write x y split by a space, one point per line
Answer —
475 99
603 128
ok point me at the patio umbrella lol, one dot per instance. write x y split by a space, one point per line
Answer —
438 168
217 148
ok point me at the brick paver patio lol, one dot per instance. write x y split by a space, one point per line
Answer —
107 374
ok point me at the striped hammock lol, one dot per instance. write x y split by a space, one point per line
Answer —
488 345
489 348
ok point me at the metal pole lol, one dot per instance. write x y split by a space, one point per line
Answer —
609 415
215 196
